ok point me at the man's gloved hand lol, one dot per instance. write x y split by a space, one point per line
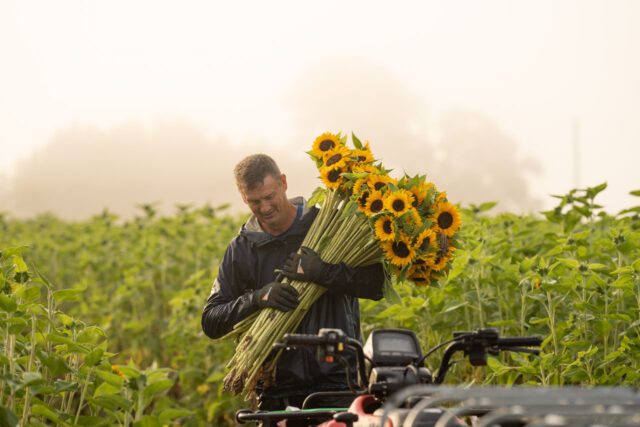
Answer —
280 296
306 266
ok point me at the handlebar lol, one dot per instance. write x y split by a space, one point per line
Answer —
530 341
303 340
477 344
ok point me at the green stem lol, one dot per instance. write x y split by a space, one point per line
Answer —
83 394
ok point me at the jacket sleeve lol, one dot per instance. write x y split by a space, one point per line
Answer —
361 282
232 298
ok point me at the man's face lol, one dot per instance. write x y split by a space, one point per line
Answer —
269 203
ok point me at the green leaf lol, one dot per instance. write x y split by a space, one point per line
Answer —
389 293
171 414
148 421
113 402
28 293
57 365
156 387
67 294
486 206
109 377
350 209
9 252
596 266
7 418
635 193
356 141
39 409
317 197
571 263
19 263
31 379
93 358
7 303
90 334
105 389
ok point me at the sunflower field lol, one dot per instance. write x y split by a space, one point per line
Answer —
100 319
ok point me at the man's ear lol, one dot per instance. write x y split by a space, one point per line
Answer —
284 182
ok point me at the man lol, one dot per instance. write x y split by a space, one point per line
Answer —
246 282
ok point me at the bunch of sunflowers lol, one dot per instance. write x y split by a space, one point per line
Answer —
411 220
366 217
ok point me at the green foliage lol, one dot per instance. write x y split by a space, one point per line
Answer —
573 278
100 319
143 283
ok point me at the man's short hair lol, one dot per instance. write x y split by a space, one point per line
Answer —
251 171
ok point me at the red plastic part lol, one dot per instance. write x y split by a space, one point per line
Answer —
364 418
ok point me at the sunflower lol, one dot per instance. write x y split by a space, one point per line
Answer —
399 253
362 198
358 185
363 155
379 182
440 262
337 157
447 219
374 204
331 177
420 276
398 202
385 228
419 193
324 143
426 241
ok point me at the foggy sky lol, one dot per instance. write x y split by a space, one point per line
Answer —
460 86
84 169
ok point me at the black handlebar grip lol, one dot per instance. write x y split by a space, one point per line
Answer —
530 341
302 339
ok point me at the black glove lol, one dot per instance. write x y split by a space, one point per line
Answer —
306 266
280 296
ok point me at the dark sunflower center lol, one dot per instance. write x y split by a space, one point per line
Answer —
425 243
326 145
378 185
415 202
361 158
445 219
334 175
334 159
419 261
386 226
376 205
398 205
362 200
419 279
400 249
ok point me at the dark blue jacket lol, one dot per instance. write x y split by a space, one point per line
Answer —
248 264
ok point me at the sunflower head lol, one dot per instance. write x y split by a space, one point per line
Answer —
385 228
399 252
447 219
337 157
420 192
421 276
375 203
325 143
362 198
379 181
331 176
426 242
398 202
363 155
